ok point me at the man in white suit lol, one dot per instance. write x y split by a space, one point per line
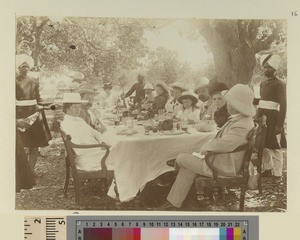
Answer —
232 135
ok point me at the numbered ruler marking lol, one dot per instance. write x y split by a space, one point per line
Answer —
45 228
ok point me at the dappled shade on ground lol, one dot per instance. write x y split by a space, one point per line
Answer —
48 193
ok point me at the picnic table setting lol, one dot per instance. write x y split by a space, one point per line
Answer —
145 146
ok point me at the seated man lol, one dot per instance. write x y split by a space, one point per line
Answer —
81 133
88 113
232 135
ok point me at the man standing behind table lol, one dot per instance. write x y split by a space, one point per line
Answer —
205 102
138 88
273 105
232 135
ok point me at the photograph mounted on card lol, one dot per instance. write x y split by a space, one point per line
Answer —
150 114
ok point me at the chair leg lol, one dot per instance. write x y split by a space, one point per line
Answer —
67 180
242 198
77 191
117 203
259 184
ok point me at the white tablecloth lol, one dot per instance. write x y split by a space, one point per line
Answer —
140 158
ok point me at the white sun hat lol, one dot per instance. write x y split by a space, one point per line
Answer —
148 86
240 97
179 85
202 82
71 98
22 59
188 95
272 60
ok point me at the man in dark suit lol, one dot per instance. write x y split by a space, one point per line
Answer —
272 104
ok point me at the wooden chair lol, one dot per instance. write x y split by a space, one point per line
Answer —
80 176
258 148
241 180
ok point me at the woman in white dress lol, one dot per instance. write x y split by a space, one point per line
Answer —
189 110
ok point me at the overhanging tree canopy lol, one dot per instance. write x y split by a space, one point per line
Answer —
234 44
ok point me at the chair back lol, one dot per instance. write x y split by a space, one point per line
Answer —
70 151
70 160
249 150
260 139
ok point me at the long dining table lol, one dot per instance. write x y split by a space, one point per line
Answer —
140 158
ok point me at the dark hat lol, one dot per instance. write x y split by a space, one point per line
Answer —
107 85
217 87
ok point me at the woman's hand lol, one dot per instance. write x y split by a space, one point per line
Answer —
21 123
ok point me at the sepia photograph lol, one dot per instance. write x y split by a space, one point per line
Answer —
150 114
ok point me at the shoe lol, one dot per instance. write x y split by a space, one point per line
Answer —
158 182
267 173
166 206
171 163
277 179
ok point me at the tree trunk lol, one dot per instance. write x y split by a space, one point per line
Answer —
234 59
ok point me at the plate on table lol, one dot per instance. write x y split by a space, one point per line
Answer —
141 123
126 132
175 132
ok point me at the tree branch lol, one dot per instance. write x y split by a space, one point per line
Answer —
264 44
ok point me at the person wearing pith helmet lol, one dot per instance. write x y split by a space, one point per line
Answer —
272 104
229 141
149 94
173 105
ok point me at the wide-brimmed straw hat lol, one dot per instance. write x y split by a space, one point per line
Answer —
23 59
76 75
87 89
163 85
201 83
188 95
71 98
179 85
240 97
148 86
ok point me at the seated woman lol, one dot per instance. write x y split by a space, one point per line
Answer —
233 134
221 114
149 96
189 110
88 113
81 133
173 106
162 97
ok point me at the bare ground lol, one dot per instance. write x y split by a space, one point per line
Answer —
48 192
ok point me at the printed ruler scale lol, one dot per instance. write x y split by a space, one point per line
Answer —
45 228
141 227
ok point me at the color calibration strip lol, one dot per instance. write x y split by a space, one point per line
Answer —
162 234
162 228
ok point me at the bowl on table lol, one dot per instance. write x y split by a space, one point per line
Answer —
206 126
